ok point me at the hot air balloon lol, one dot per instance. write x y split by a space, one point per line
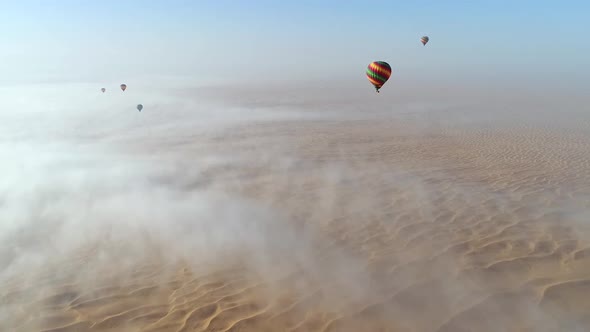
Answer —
424 40
378 73
123 87
139 107
103 90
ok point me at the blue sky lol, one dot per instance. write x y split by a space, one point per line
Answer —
223 39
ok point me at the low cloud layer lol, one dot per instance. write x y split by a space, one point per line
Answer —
84 172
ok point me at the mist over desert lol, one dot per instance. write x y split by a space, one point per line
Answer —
306 207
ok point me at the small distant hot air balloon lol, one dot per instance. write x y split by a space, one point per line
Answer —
103 90
378 73
424 40
139 107
123 87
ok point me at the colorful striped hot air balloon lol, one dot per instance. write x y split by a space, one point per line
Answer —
424 40
378 73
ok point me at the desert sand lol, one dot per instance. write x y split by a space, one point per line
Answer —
335 224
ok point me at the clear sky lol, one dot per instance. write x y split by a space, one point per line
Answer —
283 39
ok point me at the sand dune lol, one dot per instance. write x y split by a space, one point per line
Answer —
391 227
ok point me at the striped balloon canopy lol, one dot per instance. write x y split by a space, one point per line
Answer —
424 40
378 73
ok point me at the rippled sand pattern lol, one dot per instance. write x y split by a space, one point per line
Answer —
455 229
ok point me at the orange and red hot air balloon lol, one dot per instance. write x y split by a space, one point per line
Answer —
123 87
378 73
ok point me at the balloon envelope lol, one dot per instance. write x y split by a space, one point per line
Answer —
103 90
378 72
123 87
424 40
139 107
